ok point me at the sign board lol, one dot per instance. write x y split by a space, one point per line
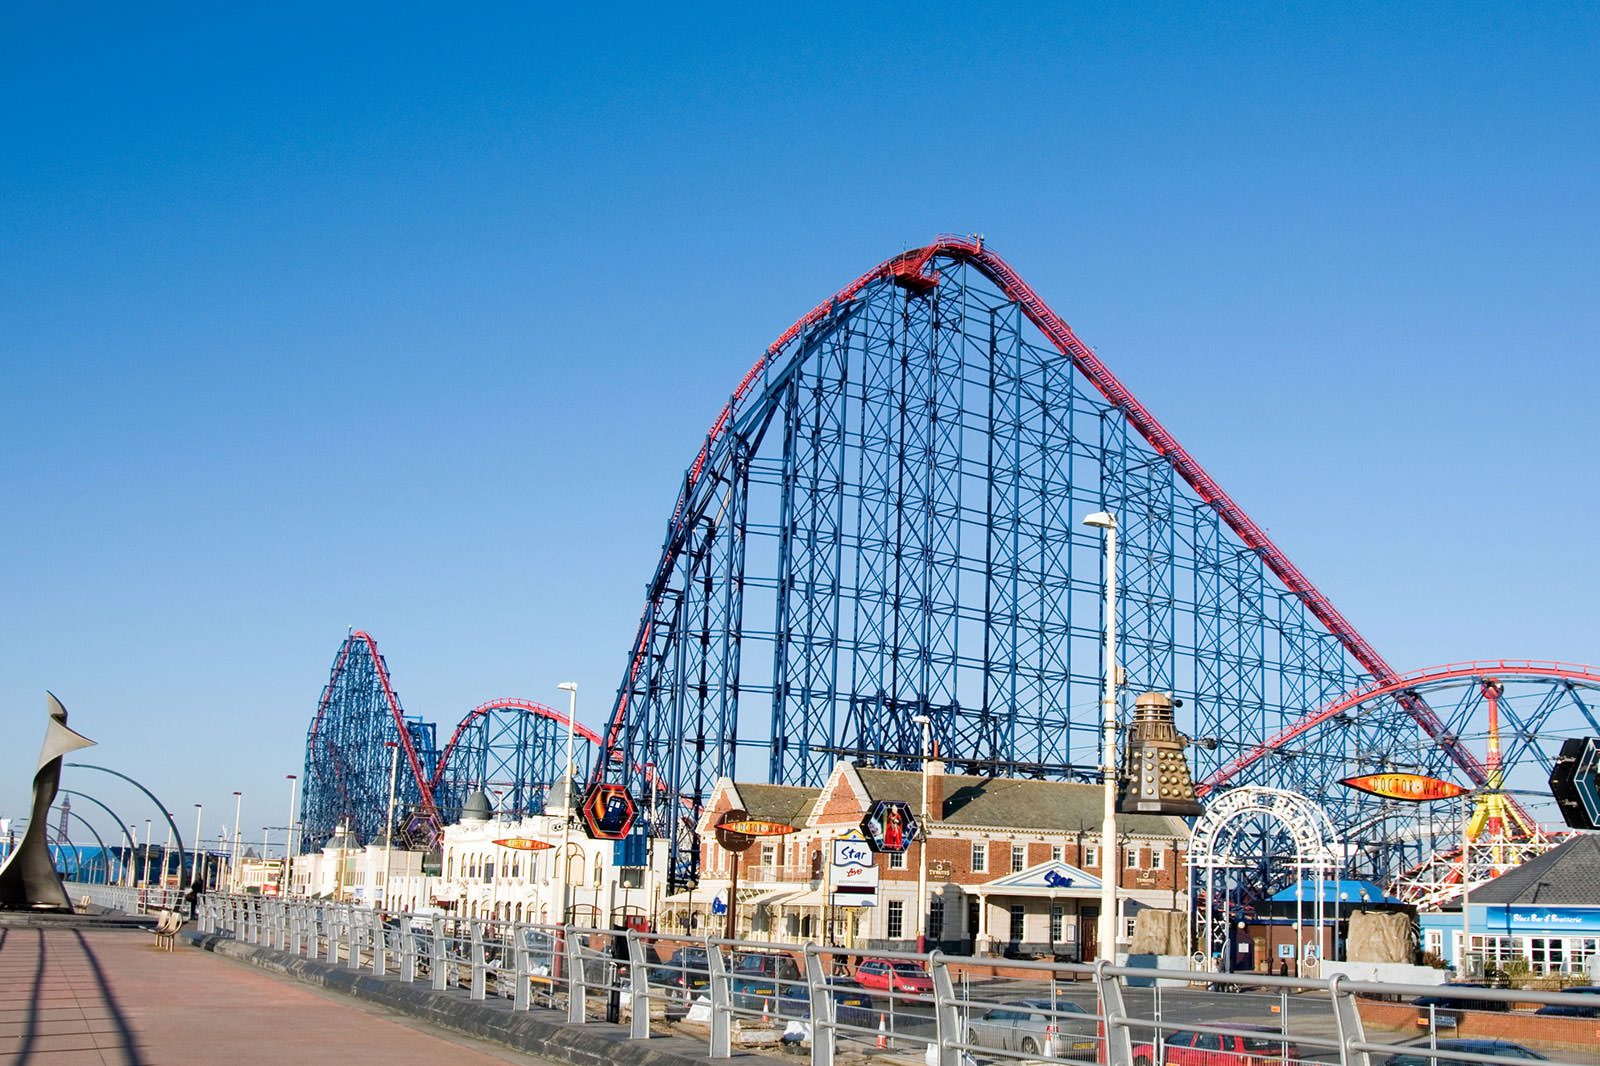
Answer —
1575 782
608 811
729 837
1415 788
853 873
1285 951
524 844
890 826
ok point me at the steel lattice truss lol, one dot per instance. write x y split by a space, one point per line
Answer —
884 522
511 747
347 764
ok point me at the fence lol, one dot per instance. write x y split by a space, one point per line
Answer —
946 1010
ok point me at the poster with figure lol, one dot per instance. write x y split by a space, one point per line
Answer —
890 826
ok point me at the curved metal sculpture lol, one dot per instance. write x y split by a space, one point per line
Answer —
882 523
28 879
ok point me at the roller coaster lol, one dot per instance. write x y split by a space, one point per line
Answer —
884 522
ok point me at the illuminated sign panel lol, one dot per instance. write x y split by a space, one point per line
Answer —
523 844
1413 787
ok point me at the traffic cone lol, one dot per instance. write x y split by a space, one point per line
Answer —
1050 1032
766 1012
883 1033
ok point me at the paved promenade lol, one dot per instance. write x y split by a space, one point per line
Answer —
71 996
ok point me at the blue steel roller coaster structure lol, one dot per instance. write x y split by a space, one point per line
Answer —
884 522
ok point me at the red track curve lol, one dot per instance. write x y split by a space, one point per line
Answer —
1432 675
908 269
578 728
423 785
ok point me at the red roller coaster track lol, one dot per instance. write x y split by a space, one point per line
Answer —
430 809
578 728
1499 668
909 270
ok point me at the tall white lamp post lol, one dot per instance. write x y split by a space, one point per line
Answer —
288 844
571 689
198 848
388 824
1109 867
233 862
926 819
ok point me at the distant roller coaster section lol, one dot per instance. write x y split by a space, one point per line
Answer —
511 747
884 522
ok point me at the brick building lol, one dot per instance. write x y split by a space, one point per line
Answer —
1014 865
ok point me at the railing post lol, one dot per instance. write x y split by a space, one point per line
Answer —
380 945
408 950
824 1011
946 1019
1119 1044
297 920
479 967
357 935
438 972
1347 1022
521 971
638 989
312 920
577 991
721 1007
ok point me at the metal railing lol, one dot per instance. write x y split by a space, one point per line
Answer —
946 1010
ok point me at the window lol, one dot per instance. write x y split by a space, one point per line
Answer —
1019 858
1158 859
980 857
769 855
1091 855
1131 856
1017 913
1055 923
936 918
896 919
897 860
488 871
1056 852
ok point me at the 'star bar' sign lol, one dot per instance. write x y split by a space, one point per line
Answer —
1414 787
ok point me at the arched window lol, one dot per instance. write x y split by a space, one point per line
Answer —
599 868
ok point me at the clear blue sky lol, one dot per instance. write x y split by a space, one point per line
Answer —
410 320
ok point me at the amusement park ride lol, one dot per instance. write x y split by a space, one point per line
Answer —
883 525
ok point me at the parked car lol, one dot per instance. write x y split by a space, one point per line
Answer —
759 977
1562 1010
1446 1009
1188 1048
852 1004
686 973
1425 1054
1061 1029
900 975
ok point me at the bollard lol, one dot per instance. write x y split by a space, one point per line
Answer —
438 974
577 990
638 989
479 964
721 1008
946 1019
824 1011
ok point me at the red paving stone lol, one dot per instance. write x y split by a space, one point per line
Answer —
103 996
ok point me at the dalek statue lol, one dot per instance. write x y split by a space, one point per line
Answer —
1155 775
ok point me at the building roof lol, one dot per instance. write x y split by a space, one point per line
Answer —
788 804
1010 802
1568 875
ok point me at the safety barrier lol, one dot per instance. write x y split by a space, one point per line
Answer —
946 1010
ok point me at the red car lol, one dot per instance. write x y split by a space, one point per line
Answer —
1185 1048
897 976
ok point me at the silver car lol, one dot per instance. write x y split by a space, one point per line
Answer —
1036 1027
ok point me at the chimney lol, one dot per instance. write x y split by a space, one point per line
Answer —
933 790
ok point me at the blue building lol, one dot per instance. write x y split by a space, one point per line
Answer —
1545 912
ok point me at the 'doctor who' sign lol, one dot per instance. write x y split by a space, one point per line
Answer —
1417 788
1575 782
890 826
607 811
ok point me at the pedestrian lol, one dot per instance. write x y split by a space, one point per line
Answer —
197 888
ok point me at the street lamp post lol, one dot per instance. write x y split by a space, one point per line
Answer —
926 819
288 845
233 860
145 876
571 689
198 847
1108 759
388 825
